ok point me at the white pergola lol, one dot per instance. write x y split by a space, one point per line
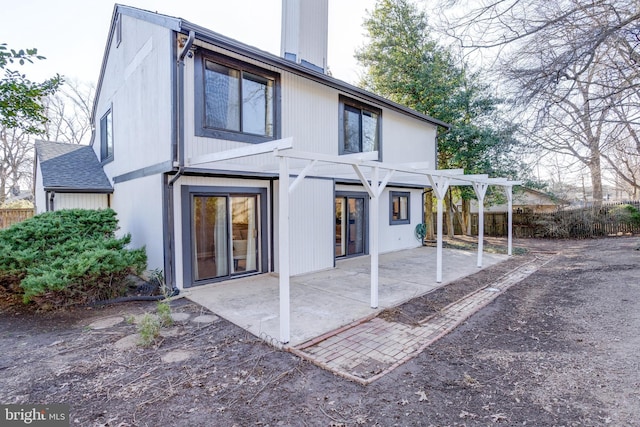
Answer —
292 166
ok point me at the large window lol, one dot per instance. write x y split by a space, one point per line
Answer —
235 101
359 127
106 137
399 207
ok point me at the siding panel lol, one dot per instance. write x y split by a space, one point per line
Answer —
79 201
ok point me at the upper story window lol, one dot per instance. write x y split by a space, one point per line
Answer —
106 137
399 207
118 30
235 100
359 127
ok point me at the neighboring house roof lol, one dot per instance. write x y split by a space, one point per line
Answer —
71 168
201 33
542 197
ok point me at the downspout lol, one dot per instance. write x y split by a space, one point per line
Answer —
51 197
171 275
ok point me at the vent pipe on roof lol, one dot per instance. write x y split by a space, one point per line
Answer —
305 28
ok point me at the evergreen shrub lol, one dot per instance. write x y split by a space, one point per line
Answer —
67 257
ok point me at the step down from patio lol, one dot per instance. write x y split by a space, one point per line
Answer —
373 347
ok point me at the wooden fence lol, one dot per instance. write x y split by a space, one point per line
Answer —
8 217
610 219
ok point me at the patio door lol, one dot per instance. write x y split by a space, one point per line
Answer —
225 235
351 224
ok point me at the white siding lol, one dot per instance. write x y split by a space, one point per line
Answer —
399 236
139 207
137 86
40 197
406 140
79 201
311 222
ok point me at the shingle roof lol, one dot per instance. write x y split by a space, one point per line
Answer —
71 167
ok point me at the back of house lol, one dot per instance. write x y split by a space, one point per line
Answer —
175 99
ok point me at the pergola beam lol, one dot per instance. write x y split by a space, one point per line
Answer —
247 151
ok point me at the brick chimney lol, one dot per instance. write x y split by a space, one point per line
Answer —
305 26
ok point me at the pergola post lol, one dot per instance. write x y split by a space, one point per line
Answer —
283 250
374 203
440 184
508 189
480 189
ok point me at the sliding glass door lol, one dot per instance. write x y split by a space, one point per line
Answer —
225 235
351 224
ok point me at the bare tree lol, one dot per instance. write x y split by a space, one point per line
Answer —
69 113
574 64
16 160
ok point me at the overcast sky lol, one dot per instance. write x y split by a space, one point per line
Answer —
72 33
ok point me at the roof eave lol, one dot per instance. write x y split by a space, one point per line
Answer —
79 190
238 47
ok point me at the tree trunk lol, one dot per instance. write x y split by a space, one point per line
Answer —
596 178
449 200
428 214
466 216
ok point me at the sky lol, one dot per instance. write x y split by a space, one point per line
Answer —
72 34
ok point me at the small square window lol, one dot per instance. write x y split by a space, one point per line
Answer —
399 208
106 137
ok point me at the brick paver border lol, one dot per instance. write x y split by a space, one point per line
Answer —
380 346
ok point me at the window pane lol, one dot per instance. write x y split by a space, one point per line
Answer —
210 237
106 140
369 131
351 123
257 105
356 226
395 208
244 231
404 203
222 97
341 227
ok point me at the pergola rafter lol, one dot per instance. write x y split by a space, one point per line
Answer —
362 167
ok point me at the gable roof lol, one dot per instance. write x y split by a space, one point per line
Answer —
71 168
183 26
553 200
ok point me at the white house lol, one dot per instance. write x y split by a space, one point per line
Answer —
195 132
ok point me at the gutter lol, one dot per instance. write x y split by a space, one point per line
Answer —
170 275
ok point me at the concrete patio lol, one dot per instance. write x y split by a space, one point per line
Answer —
324 301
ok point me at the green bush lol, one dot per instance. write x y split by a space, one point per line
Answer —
67 257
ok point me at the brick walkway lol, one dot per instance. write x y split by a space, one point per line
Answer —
371 348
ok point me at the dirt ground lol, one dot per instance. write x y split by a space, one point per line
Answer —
559 348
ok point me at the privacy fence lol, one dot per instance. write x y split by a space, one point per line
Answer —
610 219
8 217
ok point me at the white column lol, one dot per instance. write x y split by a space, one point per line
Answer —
481 190
439 241
508 190
374 204
283 250
440 184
